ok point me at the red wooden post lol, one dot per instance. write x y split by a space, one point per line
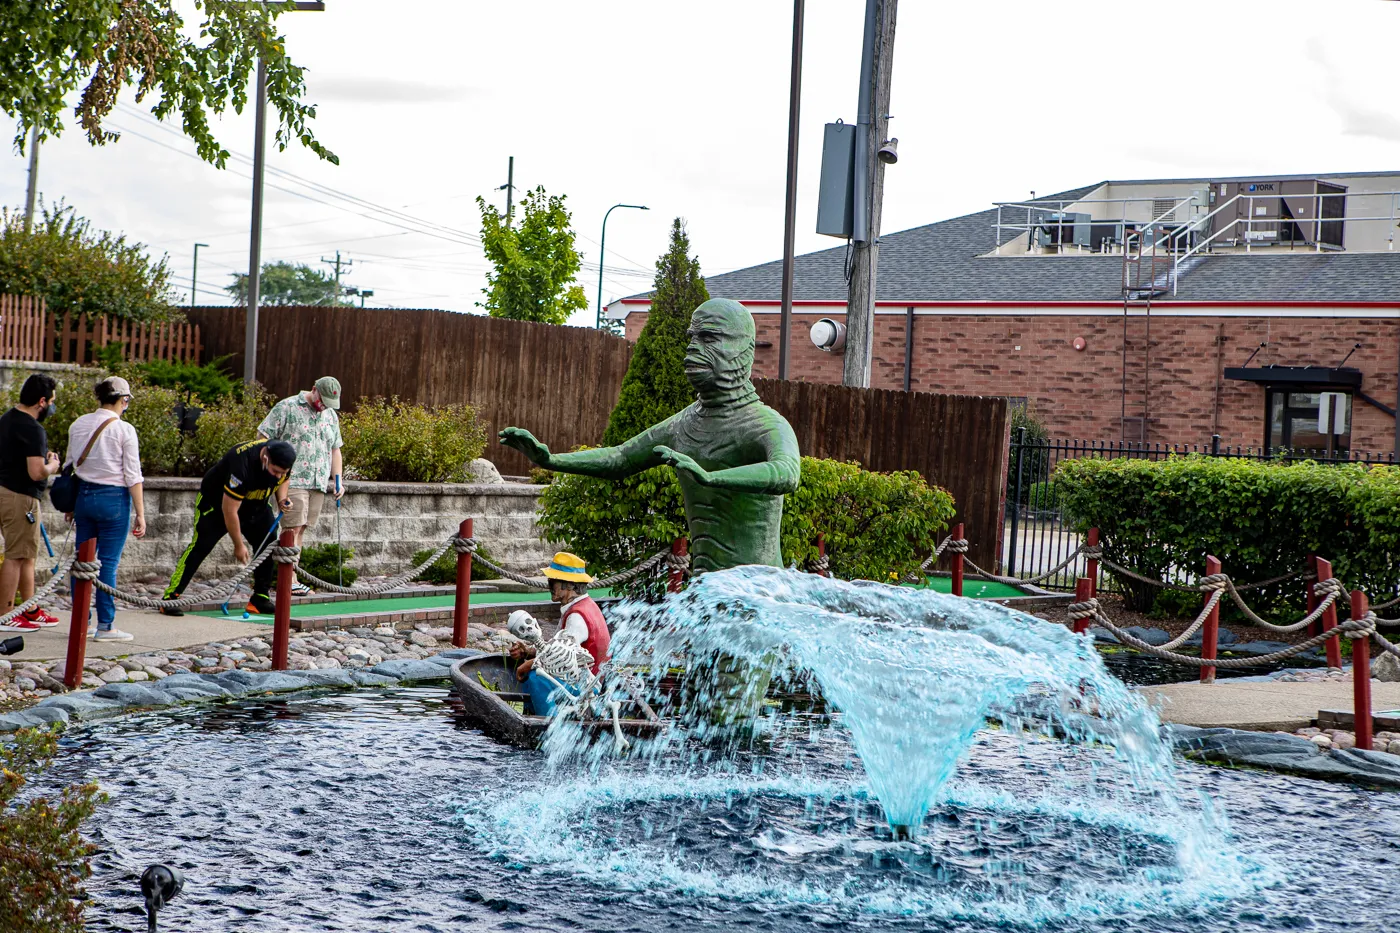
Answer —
821 555
462 606
1083 592
1314 628
282 610
1329 618
1093 562
958 561
1210 635
78 620
679 547
1361 674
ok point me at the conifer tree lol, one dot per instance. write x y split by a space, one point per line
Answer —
655 386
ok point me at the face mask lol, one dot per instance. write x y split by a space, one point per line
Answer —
46 411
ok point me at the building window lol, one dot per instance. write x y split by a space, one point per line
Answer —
1291 421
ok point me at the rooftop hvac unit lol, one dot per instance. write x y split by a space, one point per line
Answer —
1272 212
1063 229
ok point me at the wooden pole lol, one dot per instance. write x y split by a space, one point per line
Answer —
462 605
78 620
1361 674
1210 635
821 555
1315 628
1093 563
1083 592
957 561
282 610
1329 618
680 547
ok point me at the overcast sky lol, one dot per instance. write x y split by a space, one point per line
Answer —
683 107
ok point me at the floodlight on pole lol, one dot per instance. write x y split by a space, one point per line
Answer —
602 248
250 336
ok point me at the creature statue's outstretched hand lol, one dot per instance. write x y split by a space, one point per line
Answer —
684 462
525 442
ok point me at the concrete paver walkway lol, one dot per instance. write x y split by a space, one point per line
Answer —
152 630
1275 706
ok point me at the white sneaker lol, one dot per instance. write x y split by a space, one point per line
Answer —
112 634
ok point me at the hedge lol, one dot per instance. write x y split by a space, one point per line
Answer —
1261 518
878 526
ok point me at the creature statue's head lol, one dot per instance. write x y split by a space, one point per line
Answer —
523 626
719 359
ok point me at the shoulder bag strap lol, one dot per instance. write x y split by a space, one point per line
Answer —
93 440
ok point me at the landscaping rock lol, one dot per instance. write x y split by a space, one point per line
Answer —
134 695
483 471
422 639
1386 668
411 669
370 679
115 674
329 678
82 706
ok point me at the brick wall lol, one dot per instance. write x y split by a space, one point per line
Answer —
1080 394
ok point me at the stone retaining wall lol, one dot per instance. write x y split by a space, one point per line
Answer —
384 523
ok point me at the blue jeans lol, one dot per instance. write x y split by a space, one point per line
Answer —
104 513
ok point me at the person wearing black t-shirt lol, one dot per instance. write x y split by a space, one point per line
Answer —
233 501
26 463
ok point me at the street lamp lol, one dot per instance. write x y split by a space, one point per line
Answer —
602 248
250 336
194 275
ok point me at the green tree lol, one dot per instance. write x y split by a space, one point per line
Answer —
535 261
655 387
53 46
77 269
43 856
288 283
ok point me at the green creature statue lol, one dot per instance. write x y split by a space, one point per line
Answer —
735 457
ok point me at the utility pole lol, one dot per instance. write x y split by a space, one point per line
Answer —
509 189
602 255
33 191
337 262
872 123
194 275
250 333
790 209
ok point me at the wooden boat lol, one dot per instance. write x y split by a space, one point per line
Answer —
491 696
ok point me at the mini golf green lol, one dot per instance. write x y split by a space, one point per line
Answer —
973 589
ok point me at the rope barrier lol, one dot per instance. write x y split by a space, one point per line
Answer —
953 547
59 576
184 602
370 589
1025 581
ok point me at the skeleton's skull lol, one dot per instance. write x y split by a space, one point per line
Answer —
523 626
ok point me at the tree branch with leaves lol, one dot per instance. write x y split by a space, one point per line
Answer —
535 262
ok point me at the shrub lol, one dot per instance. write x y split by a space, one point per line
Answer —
232 420
210 384
1260 518
395 441
443 571
540 476
43 856
329 562
1031 459
152 413
877 526
1042 497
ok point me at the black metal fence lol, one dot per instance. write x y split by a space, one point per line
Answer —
1036 537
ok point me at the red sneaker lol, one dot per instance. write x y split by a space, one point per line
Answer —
20 624
41 618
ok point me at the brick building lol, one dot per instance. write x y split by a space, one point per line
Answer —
1157 310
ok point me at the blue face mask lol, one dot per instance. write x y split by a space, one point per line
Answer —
46 411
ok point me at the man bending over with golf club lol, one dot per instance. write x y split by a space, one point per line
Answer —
233 500
308 421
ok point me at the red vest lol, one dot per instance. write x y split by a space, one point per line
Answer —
597 642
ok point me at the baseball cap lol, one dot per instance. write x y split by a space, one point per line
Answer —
118 385
329 388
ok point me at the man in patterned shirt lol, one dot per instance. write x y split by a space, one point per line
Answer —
308 421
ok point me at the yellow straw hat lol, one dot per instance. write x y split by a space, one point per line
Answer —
569 567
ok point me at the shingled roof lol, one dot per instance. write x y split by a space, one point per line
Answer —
948 261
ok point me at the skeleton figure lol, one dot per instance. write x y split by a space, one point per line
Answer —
563 662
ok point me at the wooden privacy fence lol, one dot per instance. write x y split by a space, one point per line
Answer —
29 332
562 382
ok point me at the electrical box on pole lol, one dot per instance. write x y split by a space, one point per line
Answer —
834 197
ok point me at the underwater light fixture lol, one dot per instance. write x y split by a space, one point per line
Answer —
159 885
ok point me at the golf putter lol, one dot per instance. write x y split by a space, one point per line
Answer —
48 546
339 551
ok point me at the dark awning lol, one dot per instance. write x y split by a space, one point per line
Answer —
1315 377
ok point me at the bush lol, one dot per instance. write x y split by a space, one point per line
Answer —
152 413
1260 518
395 441
209 384
329 562
878 526
443 571
43 856
1029 460
79 270
1042 497
231 421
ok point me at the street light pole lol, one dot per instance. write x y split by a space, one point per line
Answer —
602 248
250 337
194 275
790 210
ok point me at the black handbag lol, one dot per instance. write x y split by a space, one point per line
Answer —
64 491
